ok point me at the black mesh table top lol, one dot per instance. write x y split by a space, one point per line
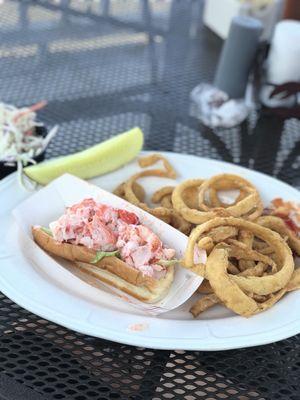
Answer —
106 66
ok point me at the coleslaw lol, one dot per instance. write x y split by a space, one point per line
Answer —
19 143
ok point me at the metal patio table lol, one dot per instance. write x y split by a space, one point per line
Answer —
104 67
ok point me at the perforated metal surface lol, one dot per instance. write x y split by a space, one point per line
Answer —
66 365
105 66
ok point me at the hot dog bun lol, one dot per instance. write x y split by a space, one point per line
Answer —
141 292
110 270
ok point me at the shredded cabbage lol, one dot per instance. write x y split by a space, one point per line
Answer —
19 144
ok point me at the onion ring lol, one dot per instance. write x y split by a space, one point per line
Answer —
232 269
167 202
222 233
294 283
204 303
161 193
249 206
246 237
277 224
206 244
259 285
159 212
225 289
215 200
205 287
240 251
137 189
257 270
190 196
164 197
209 301
189 214
180 223
230 293
151 159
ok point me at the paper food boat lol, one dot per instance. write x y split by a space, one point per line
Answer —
49 203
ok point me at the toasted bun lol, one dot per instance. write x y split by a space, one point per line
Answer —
111 270
142 293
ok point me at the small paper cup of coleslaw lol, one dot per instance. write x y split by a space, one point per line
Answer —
7 167
23 139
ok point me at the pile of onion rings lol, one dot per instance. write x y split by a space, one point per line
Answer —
250 263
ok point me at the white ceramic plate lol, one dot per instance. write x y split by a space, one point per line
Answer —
217 329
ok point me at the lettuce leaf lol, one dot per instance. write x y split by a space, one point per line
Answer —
167 263
101 254
47 230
